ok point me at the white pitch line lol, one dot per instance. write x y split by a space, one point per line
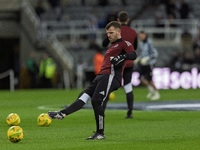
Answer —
163 106
174 106
46 107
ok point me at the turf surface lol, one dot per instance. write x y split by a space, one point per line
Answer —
170 130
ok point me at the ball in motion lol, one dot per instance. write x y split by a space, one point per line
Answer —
112 96
44 120
15 134
13 119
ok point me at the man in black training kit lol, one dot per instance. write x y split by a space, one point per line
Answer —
130 35
108 79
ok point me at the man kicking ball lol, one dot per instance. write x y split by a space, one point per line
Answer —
108 79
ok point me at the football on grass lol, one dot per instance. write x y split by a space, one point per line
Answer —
111 96
15 134
13 119
44 120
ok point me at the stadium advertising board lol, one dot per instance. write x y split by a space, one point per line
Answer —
164 78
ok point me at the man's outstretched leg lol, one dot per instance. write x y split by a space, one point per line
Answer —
78 104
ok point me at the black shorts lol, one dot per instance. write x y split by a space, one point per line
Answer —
127 75
101 87
146 72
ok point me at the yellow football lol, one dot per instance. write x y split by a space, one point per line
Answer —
13 119
15 134
44 120
111 96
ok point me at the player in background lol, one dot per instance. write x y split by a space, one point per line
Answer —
97 61
108 79
146 61
128 34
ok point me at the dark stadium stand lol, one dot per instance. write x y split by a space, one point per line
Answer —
66 29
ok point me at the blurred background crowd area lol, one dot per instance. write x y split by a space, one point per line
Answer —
52 43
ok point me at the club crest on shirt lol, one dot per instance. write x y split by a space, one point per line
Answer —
115 46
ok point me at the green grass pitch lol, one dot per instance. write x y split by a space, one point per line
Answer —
149 130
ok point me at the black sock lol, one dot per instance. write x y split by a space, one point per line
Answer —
78 104
129 98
